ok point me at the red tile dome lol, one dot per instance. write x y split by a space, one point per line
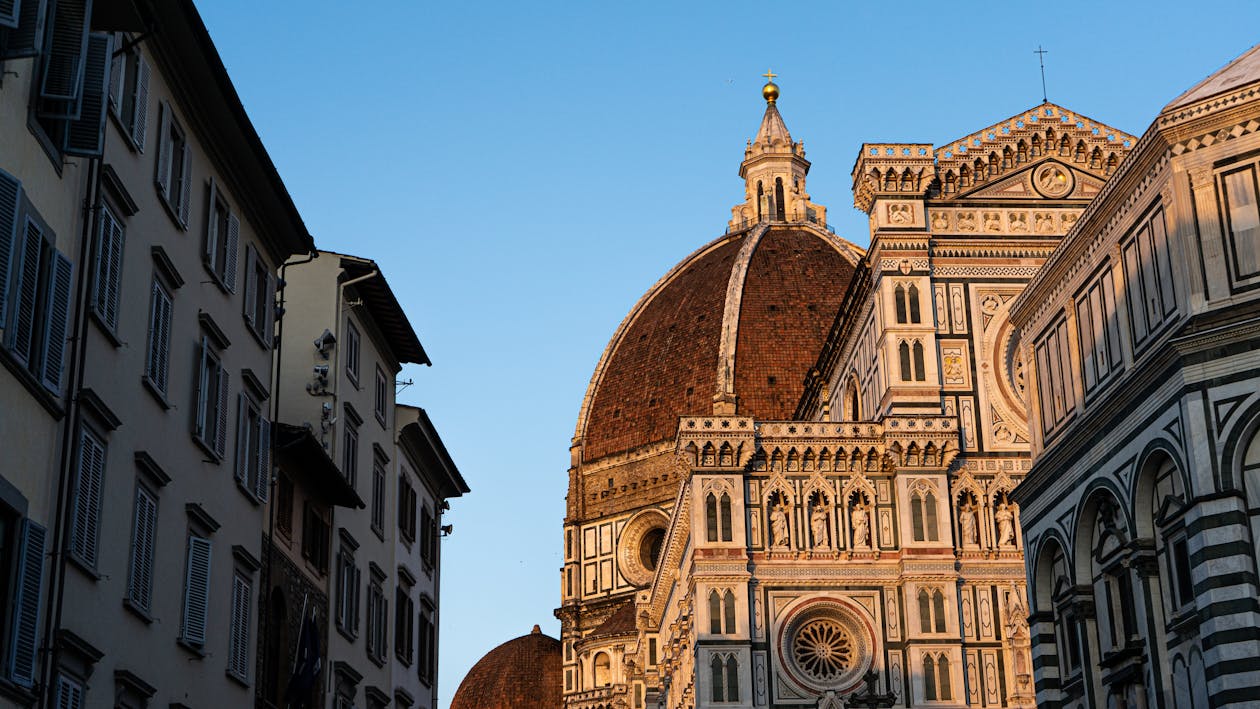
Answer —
742 318
523 673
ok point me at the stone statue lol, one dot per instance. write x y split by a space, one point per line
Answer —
861 527
967 522
779 527
818 525
1005 525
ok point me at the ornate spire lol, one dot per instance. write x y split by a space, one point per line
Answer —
774 170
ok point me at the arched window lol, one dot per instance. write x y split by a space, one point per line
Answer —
919 373
942 676
923 516
603 670
929 678
732 679
899 297
717 670
925 611
724 508
728 611
938 610
929 516
903 351
931 610
760 193
912 294
715 613
854 413
780 212
711 517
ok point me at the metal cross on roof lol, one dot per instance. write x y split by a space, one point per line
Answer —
1041 59
769 75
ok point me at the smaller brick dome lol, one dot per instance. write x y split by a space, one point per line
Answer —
523 673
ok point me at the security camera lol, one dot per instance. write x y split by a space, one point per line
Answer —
321 371
325 342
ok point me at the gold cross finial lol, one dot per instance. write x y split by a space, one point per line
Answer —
769 75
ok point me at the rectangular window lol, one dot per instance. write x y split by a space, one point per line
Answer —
426 536
88 485
211 410
315 537
129 94
378 497
157 361
377 619
382 395
1149 284
406 508
23 546
222 239
143 545
260 297
174 167
238 633
1054 377
253 448
426 662
352 352
1242 212
1099 332
347 593
350 448
107 275
404 625
1181 564
196 604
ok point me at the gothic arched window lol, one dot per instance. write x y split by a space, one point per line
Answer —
938 610
912 294
919 373
724 516
929 678
717 670
923 516
728 611
715 613
780 212
942 677
903 352
711 517
925 611
760 193
936 680
732 679
899 297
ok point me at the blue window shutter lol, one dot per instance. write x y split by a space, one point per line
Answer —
140 116
251 289
66 54
89 482
28 593
21 332
196 591
242 440
263 483
10 200
86 136
9 13
230 267
201 393
58 301
269 298
220 442
108 275
185 186
212 224
26 39
164 147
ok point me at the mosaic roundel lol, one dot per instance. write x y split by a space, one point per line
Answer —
1053 180
826 646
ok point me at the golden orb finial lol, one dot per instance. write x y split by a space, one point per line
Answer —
770 92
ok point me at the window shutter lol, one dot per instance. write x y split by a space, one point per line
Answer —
112 265
184 186
117 80
87 499
22 330
242 440
269 312
233 240
159 336
263 482
164 148
67 49
220 442
58 303
86 135
27 38
238 662
201 396
9 13
251 288
10 200
28 592
69 692
143 538
140 116
212 224
197 591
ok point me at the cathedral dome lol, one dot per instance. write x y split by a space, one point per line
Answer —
523 673
734 328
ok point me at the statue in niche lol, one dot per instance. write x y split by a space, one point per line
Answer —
818 525
861 527
779 527
967 524
1005 524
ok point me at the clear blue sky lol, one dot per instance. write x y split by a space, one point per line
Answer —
524 171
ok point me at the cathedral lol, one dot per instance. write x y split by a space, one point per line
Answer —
811 474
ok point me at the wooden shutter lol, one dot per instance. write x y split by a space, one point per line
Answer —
85 530
212 224
58 304
140 108
28 589
117 80
220 442
10 201
242 440
65 57
26 289
143 539
196 591
269 312
201 394
159 336
86 135
185 188
69 692
230 266
27 38
251 288
164 148
238 660
108 268
263 481
9 13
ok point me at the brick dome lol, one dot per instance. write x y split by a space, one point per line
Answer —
523 673
741 320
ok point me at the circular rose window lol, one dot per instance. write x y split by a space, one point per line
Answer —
825 646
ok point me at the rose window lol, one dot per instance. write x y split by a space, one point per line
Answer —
823 649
